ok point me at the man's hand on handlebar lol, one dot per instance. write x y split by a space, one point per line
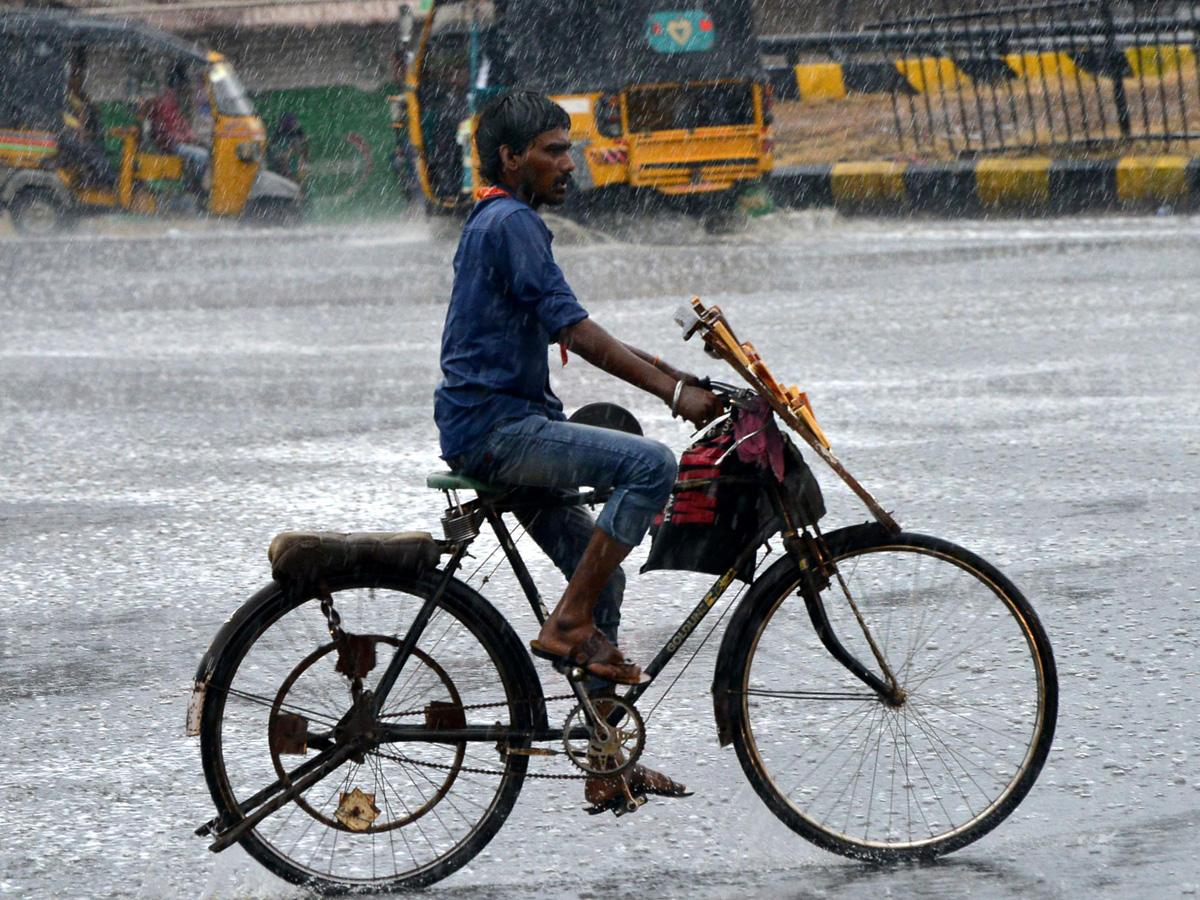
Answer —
698 405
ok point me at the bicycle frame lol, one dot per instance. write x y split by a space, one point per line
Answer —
807 551
813 563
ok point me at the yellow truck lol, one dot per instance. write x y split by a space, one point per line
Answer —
57 160
665 99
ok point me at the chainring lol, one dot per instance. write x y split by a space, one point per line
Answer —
605 754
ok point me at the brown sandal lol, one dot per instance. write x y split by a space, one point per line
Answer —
606 792
596 655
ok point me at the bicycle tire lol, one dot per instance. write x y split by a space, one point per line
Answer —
433 810
857 777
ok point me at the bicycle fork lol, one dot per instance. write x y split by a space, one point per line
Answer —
816 570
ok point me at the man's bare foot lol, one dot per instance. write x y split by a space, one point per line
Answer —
588 649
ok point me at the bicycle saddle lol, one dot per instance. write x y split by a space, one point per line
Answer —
312 555
452 481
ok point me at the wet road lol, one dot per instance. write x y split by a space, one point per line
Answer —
168 403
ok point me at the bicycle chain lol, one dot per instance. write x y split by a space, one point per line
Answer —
471 770
464 707
545 776
468 769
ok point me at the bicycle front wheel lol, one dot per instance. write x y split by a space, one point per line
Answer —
869 780
406 810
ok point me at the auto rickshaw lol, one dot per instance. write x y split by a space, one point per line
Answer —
664 98
63 154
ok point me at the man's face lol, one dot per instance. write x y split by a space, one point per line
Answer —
544 170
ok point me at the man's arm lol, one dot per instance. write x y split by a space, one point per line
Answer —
659 363
602 350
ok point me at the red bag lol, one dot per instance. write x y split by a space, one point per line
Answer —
721 502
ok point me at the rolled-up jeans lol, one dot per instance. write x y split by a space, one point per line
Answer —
549 460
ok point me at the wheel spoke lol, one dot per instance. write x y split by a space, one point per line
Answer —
308 713
856 696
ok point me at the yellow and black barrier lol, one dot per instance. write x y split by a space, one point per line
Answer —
914 75
992 184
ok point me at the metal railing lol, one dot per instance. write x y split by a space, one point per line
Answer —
1082 73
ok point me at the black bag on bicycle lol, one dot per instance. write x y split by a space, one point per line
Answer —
721 501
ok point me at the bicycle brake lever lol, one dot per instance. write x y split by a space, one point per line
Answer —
733 396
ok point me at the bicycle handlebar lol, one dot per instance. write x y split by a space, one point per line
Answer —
730 394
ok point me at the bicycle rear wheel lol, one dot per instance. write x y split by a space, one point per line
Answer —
404 813
859 777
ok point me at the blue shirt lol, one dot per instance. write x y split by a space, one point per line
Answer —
508 303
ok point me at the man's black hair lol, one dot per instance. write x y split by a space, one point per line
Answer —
514 119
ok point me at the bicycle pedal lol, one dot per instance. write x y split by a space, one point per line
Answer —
618 807
638 802
562 668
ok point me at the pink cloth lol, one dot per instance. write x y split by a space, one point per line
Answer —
764 448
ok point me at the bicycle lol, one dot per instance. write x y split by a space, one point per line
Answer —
367 719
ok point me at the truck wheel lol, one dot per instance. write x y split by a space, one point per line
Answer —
37 211
719 211
273 212
719 220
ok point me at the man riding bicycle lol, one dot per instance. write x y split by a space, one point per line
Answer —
499 421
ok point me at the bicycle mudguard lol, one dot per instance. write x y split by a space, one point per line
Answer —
209 659
754 606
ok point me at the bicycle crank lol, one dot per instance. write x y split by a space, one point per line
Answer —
604 736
